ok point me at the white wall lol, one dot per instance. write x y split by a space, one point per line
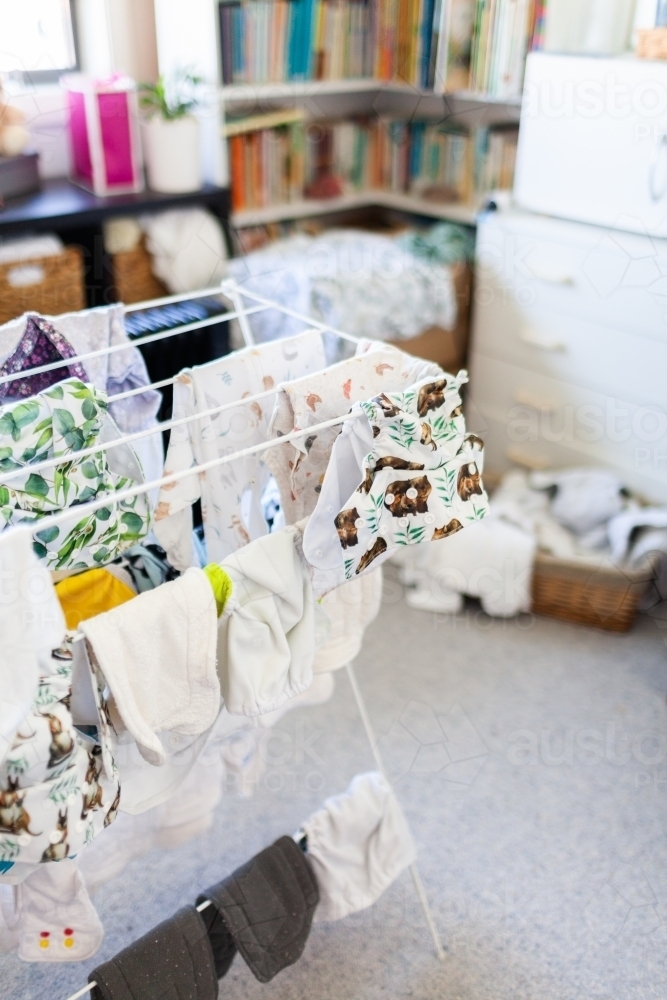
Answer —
114 36
187 38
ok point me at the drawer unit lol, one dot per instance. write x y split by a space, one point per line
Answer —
539 421
611 278
571 348
568 358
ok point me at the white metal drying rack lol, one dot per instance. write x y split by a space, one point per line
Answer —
236 294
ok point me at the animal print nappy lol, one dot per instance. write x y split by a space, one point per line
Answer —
58 787
403 473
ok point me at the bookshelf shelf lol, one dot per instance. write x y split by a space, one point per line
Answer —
244 92
465 214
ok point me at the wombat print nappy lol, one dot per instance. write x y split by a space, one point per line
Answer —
402 473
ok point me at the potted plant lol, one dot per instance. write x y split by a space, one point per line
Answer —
171 133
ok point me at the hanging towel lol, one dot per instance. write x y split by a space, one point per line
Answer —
299 466
267 905
56 920
231 494
157 654
173 961
266 634
358 843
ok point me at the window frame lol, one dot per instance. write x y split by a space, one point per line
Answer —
40 77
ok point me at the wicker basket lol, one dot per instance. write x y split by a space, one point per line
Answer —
50 285
586 593
133 278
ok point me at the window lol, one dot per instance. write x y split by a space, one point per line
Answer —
37 39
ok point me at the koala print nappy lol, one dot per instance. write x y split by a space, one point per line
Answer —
402 473
58 787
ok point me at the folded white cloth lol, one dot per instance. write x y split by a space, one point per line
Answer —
266 634
157 654
56 920
350 610
492 560
28 247
358 843
188 248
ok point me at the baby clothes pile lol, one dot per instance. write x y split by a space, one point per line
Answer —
153 663
367 284
573 514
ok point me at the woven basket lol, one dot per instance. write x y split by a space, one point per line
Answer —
50 285
652 43
588 594
133 278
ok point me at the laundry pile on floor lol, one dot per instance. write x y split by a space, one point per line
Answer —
138 654
368 284
579 515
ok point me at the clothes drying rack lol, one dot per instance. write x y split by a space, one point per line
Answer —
241 311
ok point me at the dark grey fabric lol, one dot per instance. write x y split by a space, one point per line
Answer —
268 905
174 961
222 942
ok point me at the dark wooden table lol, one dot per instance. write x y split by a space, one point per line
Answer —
77 216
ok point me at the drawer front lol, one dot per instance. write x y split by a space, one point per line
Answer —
617 280
544 421
568 348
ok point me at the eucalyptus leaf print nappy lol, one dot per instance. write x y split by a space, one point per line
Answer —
402 472
57 423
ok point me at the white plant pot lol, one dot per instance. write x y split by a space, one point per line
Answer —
171 153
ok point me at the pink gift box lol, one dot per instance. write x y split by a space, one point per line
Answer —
104 134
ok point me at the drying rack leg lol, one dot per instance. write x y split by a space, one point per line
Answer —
419 886
230 290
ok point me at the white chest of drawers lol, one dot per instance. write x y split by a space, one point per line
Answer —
568 359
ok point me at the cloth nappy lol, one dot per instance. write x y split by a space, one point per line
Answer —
58 787
358 843
56 920
401 473
266 633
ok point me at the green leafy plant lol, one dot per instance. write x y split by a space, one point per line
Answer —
171 98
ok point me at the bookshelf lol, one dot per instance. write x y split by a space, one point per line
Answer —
464 214
454 63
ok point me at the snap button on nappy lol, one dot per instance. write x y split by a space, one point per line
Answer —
403 521
389 498
359 523
318 552
329 509
411 493
429 518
